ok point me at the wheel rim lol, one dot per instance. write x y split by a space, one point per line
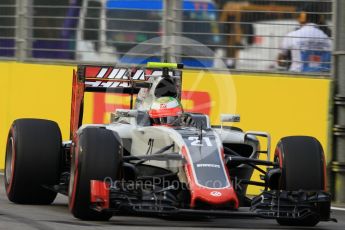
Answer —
9 161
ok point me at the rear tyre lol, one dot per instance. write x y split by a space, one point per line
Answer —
97 155
32 161
302 163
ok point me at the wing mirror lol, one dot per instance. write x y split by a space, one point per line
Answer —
230 118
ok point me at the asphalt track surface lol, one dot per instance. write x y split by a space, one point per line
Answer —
57 216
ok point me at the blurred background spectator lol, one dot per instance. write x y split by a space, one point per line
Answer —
307 49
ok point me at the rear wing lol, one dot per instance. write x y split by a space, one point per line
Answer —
112 79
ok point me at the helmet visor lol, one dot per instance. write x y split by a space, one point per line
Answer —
172 120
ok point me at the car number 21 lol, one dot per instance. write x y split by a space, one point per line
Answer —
196 141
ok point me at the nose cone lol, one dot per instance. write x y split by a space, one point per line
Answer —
214 197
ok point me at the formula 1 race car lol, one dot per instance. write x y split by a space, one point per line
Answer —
157 159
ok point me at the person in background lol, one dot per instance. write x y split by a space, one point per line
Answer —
307 49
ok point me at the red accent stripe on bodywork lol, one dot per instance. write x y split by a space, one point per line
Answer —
108 72
77 98
213 196
92 71
99 194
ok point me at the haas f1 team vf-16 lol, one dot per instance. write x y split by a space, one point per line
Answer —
157 159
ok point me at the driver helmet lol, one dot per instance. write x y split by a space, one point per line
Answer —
165 111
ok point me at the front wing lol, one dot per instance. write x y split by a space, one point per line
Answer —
269 204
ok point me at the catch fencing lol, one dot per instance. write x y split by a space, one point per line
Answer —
213 34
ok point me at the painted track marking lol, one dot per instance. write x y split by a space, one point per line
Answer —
337 208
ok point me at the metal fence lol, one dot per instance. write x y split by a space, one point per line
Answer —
237 35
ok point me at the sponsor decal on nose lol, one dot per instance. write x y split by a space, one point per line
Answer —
215 193
207 165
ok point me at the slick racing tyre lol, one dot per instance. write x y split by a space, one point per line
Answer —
32 161
97 155
302 163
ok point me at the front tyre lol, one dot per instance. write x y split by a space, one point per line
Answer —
32 161
302 164
97 155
